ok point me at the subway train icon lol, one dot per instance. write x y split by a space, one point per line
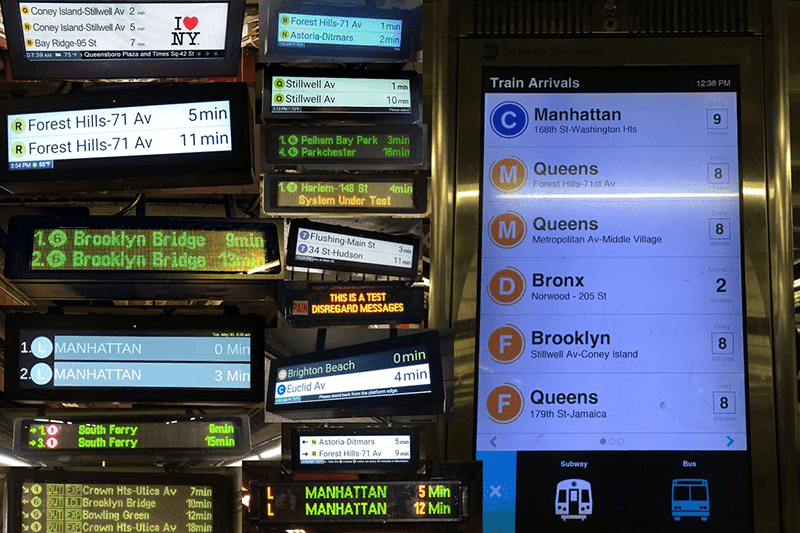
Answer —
574 499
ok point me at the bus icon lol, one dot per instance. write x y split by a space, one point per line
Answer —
573 499
690 498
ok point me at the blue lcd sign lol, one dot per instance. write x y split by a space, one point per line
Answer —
139 358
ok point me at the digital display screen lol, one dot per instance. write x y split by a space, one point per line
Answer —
165 131
330 247
136 357
87 254
397 147
301 31
309 304
206 359
344 449
67 39
324 247
42 140
385 96
66 502
314 94
349 448
611 289
131 436
298 30
366 376
368 194
78 249
408 500
101 31
362 501
114 507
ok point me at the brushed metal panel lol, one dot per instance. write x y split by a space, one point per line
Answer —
779 189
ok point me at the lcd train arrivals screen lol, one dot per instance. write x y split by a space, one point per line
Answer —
298 30
46 140
316 94
397 376
101 31
122 435
316 245
302 31
345 449
197 359
384 373
155 136
611 307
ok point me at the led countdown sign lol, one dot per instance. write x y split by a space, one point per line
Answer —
162 250
120 437
391 147
360 501
116 501
88 254
309 304
357 194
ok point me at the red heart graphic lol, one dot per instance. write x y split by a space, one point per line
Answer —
190 22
